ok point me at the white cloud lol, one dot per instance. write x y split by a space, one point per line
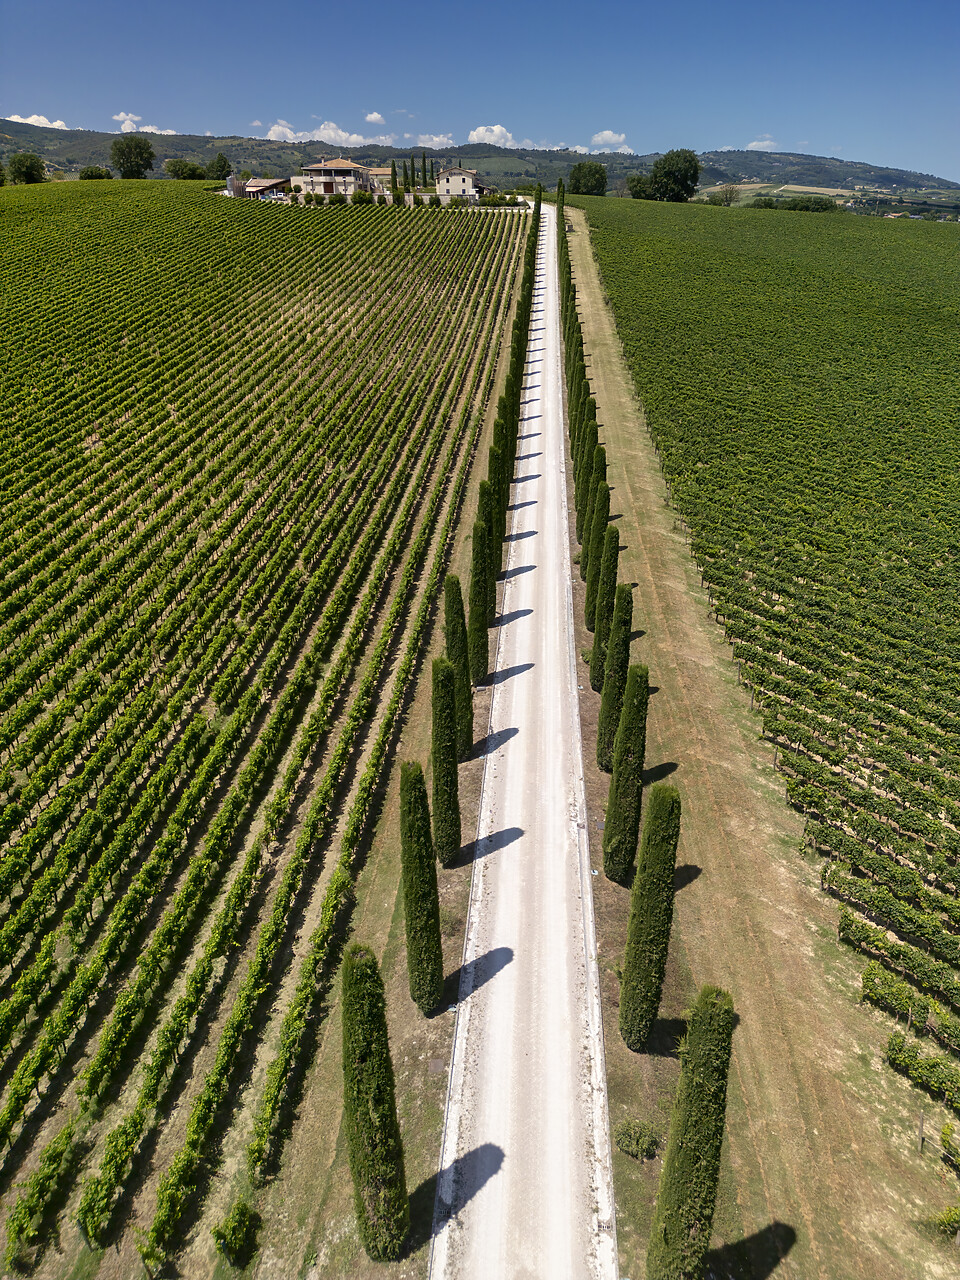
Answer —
374 117
581 151
152 128
607 138
435 140
282 131
727 148
128 121
495 134
208 133
36 119
256 124
763 143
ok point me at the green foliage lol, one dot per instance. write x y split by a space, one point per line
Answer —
393 175
638 1139
26 168
337 198
599 519
673 177
362 197
651 917
458 651
421 904
92 173
406 177
939 1076
622 825
683 1216
219 167
603 611
132 155
799 204
236 1235
185 170
614 675
45 1189
446 795
479 595
370 1110
588 178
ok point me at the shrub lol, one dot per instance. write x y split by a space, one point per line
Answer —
435 202
455 631
638 1139
370 1110
338 197
614 675
446 796
603 610
361 197
421 903
236 1235
477 635
381 198
91 172
651 917
683 1216
622 826
417 201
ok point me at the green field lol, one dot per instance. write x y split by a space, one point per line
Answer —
235 445
800 381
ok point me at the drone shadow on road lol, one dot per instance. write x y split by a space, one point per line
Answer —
469 1172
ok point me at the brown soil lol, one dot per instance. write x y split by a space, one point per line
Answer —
821 1169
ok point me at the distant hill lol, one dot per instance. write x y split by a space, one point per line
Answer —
70 149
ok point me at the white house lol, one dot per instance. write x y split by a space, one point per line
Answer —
335 176
459 182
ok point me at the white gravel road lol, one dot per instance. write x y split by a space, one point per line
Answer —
525 1189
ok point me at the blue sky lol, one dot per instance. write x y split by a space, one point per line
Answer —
863 81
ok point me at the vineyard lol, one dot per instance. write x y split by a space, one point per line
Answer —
236 442
801 388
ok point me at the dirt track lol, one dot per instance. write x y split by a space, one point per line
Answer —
525 1187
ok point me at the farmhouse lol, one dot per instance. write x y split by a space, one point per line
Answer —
330 177
459 182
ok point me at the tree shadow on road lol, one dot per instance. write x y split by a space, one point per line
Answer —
504 618
507 574
474 974
492 843
501 677
517 506
518 537
492 742
753 1258
469 1173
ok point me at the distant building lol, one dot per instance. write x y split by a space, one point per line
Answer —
454 182
332 177
266 188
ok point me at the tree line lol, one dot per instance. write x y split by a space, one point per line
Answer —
683 1215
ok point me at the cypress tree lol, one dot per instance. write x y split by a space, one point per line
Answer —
601 518
413 172
406 177
421 901
622 827
393 176
455 632
683 1217
488 517
432 173
597 476
603 612
423 169
446 788
477 638
651 917
370 1110
614 674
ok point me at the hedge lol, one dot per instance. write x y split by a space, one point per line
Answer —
603 612
683 1215
614 675
370 1110
455 633
622 827
651 917
421 902
446 793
